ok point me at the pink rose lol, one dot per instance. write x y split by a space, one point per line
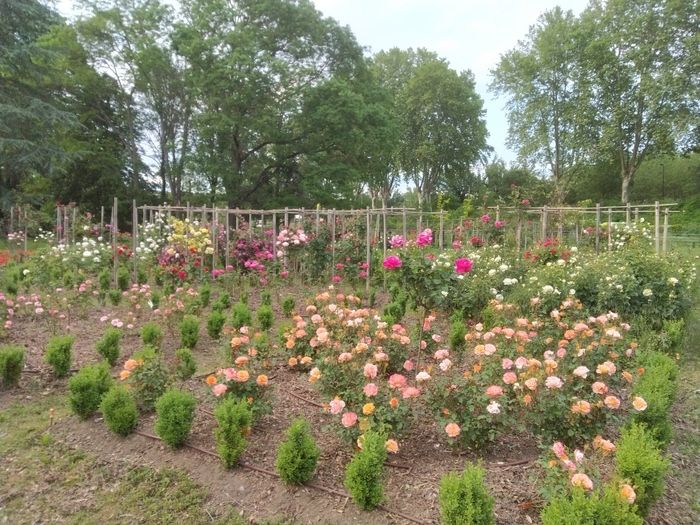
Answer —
336 406
370 371
397 381
219 389
370 390
463 266
349 419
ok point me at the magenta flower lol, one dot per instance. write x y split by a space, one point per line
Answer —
397 241
425 237
392 262
485 218
499 224
463 266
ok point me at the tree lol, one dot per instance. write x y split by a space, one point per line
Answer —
441 129
444 132
31 117
549 120
258 68
641 58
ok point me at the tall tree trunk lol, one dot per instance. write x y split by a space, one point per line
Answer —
626 186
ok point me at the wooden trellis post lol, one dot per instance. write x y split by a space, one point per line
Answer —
318 220
405 232
609 229
628 214
114 228
228 236
384 228
333 242
597 228
134 237
665 243
442 229
368 254
657 213
544 222
274 235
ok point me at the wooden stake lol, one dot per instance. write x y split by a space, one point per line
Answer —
657 213
665 243
597 228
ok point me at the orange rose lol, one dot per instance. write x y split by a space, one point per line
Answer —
262 380
211 380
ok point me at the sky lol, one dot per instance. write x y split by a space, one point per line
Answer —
469 34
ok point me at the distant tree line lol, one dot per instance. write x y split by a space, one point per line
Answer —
269 103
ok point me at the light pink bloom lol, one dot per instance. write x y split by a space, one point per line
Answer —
336 406
348 419
370 371
370 390
397 381
219 389
554 382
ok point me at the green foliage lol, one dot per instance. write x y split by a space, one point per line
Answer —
265 317
119 410
108 345
141 276
204 295
152 335
297 455
457 332
240 315
11 364
115 297
87 388
288 306
394 312
186 365
222 303
189 331
123 278
150 379
266 298
174 416
365 472
464 499
58 354
233 419
155 299
657 386
215 323
639 460
580 509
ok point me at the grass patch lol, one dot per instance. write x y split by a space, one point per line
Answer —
45 481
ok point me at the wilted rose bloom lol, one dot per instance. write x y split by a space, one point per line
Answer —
344 357
397 381
531 383
612 402
627 493
392 262
422 376
603 444
581 371
219 389
521 362
441 354
370 370
336 406
578 456
607 368
391 446
409 392
348 419
553 382
639 404
559 449
463 265
370 390
453 430
493 408
581 480
445 365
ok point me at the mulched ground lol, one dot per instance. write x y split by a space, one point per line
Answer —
411 484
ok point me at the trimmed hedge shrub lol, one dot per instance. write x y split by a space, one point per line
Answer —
58 354
639 460
464 499
297 455
580 509
234 418
204 295
266 298
174 416
240 315
150 380
108 345
152 335
288 306
365 472
115 297
119 410
265 317
215 323
123 279
189 331
186 365
11 364
87 388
